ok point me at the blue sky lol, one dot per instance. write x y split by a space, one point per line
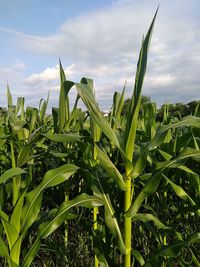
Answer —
99 39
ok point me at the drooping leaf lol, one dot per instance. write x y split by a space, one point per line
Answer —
179 161
145 217
136 254
180 192
11 173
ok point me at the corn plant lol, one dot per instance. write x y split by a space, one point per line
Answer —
138 177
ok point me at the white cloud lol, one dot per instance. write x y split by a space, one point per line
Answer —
161 80
105 45
49 74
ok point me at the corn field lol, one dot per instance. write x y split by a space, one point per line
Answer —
78 188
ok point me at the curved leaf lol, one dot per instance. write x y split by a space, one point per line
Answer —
48 227
179 161
138 256
180 192
34 198
145 217
11 173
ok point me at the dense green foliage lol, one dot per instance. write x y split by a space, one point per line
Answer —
75 184
178 110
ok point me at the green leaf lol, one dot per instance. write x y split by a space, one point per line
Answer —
138 256
49 227
194 259
34 198
15 250
24 155
165 155
115 115
9 97
161 133
180 192
82 200
134 108
179 161
4 216
15 122
110 168
186 169
11 173
140 163
31 254
34 116
194 238
88 99
172 250
65 87
20 106
4 250
11 233
15 219
62 138
110 218
100 249
42 108
145 217
147 190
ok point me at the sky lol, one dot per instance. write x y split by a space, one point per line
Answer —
99 39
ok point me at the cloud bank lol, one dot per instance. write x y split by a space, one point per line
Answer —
104 44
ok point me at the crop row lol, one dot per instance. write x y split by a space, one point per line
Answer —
129 182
